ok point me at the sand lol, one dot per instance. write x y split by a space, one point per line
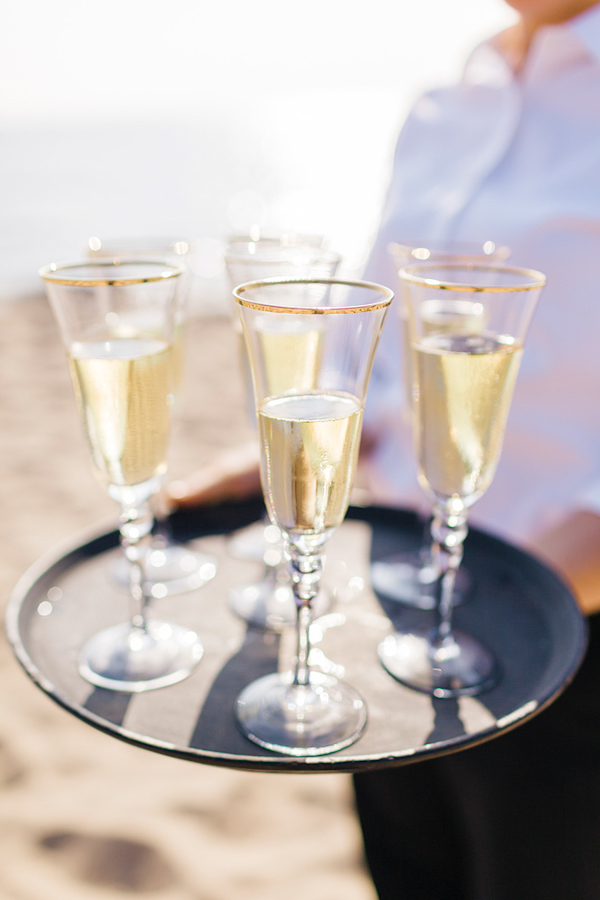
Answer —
83 815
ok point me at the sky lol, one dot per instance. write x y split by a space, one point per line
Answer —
201 116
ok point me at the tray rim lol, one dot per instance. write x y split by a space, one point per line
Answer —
104 531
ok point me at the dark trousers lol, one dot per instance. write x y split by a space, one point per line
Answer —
516 818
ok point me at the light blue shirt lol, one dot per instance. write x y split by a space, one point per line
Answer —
514 159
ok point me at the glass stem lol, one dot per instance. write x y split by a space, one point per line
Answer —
305 571
448 530
161 528
135 528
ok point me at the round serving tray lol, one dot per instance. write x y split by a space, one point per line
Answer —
516 605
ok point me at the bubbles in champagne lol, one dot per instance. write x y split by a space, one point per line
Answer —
124 394
310 447
465 385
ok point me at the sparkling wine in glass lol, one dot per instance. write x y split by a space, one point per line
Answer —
269 602
410 577
170 567
309 434
463 381
117 320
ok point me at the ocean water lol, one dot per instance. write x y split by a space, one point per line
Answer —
201 119
200 179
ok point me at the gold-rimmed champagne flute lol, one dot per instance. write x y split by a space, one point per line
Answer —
117 321
269 602
409 577
309 435
463 381
170 567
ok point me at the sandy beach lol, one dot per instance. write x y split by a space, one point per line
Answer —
84 816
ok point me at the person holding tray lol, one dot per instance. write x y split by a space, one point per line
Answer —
509 155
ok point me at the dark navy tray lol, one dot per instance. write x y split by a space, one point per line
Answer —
517 606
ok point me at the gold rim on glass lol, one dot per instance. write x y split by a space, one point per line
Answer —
450 251
386 293
415 274
267 254
54 273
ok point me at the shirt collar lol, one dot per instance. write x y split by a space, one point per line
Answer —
491 64
587 28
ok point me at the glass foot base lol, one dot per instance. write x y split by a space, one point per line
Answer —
171 569
174 569
124 658
310 720
410 578
460 666
271 605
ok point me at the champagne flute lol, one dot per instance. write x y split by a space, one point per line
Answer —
410 577
117 320
463 381
170 568
290 255
269 602
309 433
